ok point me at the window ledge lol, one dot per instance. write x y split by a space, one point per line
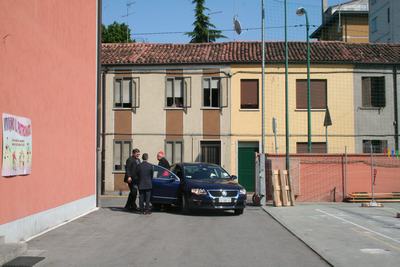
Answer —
211 108
114 109
370 108
249 109
312 110
173 108
118 172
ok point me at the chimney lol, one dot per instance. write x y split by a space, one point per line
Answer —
324 7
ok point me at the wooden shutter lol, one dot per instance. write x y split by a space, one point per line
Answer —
366 92
317 147
318 94
301 94
249 94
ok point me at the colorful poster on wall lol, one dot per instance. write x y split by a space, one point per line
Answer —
17 145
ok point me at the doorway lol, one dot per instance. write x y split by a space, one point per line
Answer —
246 164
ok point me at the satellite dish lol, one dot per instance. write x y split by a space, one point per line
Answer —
236 25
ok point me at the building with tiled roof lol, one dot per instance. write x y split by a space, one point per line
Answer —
202 102
248 52
347 22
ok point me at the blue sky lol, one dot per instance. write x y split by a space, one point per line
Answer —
170 16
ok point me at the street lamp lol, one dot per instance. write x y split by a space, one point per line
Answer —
300 12
262 154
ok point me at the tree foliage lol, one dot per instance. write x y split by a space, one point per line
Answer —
116 33
204 31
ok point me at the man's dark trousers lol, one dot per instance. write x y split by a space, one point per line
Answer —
131 203
130 171
144 195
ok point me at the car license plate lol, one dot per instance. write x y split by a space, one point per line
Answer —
224 200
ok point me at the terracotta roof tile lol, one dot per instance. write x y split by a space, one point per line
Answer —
248 52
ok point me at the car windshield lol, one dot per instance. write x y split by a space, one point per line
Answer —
203 171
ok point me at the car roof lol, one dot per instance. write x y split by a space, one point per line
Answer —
197 163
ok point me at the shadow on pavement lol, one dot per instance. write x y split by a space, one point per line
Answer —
177 211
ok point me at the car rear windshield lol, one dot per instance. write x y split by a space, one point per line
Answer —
205 172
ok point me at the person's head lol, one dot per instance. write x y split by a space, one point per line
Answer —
160 155
136 153
145 156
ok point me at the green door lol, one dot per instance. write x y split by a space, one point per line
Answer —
247 165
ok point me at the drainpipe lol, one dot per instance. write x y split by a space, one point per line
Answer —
103 128
98 93
396 111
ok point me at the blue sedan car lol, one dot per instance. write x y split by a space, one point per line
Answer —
197 186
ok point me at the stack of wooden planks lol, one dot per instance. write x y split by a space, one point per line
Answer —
359 197
282 191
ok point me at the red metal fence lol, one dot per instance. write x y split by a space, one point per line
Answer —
322 177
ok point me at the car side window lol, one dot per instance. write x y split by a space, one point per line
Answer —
178 171
161 173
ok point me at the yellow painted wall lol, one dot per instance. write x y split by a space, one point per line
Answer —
246 125
353 30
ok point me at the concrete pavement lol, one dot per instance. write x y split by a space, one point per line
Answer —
112 237
345 234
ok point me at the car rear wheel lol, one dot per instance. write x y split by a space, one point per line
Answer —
238 211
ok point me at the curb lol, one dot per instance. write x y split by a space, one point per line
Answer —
321 255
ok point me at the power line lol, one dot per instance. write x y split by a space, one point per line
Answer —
226 30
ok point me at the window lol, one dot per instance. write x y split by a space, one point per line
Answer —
318 91
173 151
378 146
175 92
374 25
316 147
161 173
121 154
211 92
249 94
211 152
373 92
388 15
124 90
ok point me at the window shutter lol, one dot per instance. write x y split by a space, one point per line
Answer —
301 94
178 88
169 87
169 152
366 92
224 92
117 156
187 92
117 92
318 94
127 92
248 94
301 148
178 152
206 92
318 147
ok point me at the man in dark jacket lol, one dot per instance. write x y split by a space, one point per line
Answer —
145 176
162 161
131 179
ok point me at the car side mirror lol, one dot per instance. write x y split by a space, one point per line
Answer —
234 177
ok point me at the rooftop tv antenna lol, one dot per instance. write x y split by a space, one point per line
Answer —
236 25
128 5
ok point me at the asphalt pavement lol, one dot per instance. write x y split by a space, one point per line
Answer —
112 237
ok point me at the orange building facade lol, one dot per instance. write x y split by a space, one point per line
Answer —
48 74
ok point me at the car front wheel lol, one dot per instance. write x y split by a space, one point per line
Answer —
238 211
185 205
